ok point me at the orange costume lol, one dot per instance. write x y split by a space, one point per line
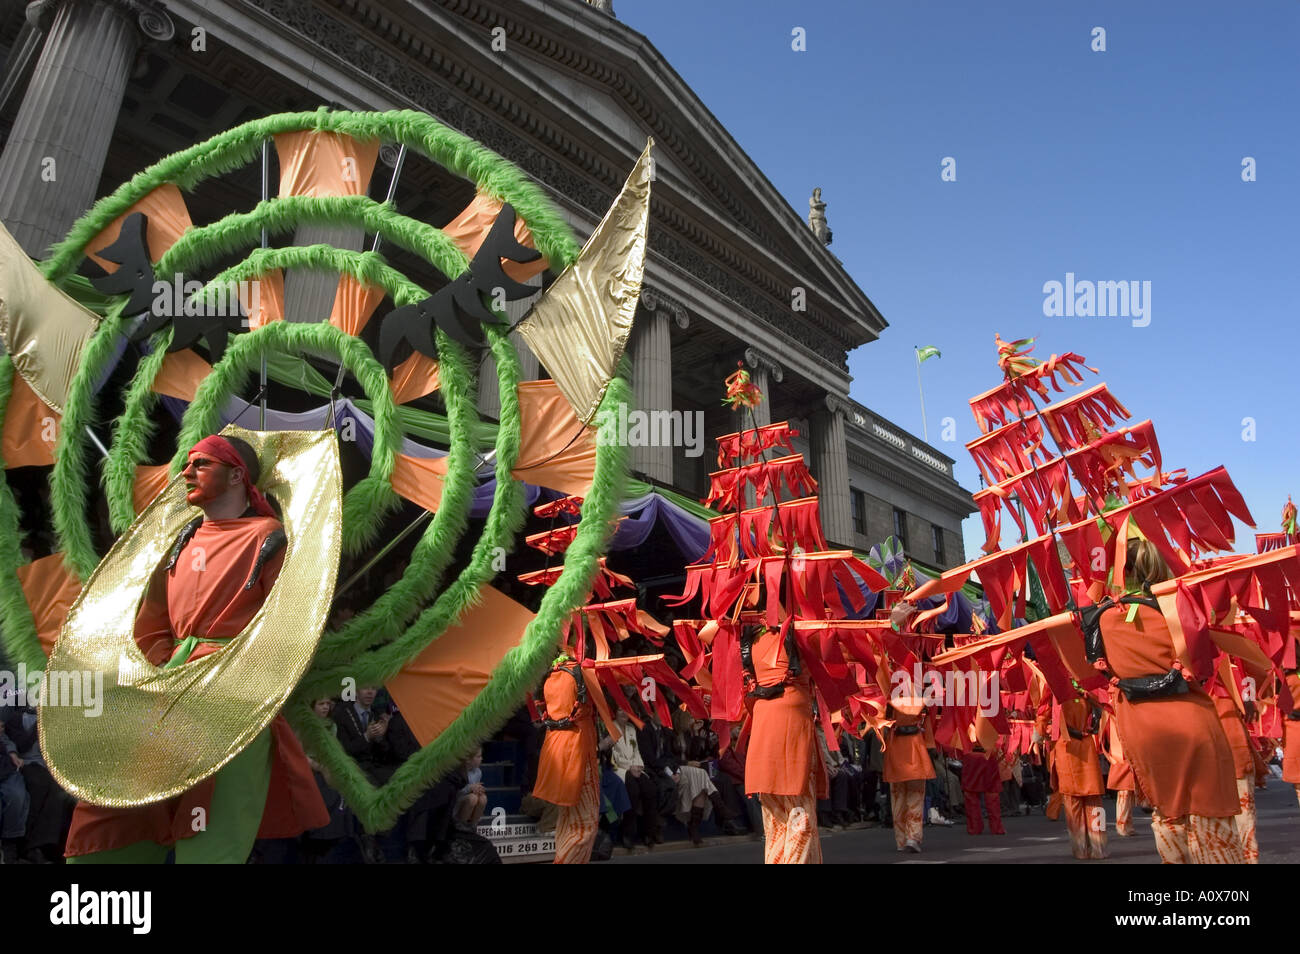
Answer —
1120 780
1175 743
783 765
211 587
1076 778
1291 741
566 771
1243 763
906 768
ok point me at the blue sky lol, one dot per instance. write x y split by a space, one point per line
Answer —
1123 165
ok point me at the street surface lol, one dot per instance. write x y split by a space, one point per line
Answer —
1031 839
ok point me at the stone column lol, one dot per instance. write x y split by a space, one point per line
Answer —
529 367
831 468
515 311
652 375
489 389
652 369
50 169
764 371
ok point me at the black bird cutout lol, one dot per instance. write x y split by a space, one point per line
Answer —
153 311
135 270
458 308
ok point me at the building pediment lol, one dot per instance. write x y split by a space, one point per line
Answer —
580 91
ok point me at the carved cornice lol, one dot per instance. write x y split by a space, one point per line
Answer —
755 288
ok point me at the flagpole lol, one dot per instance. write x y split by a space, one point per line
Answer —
925 429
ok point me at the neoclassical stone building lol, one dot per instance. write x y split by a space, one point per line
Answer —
567 92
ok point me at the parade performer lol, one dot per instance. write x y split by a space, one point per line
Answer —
1120 780
782 764
981 780
567 772
1291 741
907 768
907 746
1291 723
1076 776
1243 761
215 578
1170 731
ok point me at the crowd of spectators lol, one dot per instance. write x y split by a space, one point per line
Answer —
656 781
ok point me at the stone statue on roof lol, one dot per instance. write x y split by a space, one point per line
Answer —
817 218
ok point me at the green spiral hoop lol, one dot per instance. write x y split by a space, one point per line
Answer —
417 610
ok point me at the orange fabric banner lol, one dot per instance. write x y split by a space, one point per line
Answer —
414 378
435 687
31 428
49 589
555 449
268 305
168 217
470 228
180 374
149 483
420 479
354 303
319 163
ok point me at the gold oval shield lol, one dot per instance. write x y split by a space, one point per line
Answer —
159 732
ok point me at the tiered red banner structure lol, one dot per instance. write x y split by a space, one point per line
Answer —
1079 482
608 621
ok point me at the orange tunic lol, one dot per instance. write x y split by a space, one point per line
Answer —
566 753
1076 769
204 595
1235 730
1120 777
782 758
1291 742
1175 744
906 757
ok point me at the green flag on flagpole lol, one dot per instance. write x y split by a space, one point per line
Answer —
929 351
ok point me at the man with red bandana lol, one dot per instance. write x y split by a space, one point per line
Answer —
215 578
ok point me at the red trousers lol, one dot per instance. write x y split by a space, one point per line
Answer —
975 820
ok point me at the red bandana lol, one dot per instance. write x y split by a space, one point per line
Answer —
220 449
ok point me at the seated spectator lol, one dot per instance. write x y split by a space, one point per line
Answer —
614 803
471 802
730 779
323 844
701 743
625 757
362 730
49 812
13 798
697 797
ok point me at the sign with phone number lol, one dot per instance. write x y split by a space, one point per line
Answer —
539 848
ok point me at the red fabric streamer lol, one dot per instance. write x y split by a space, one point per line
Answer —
748 445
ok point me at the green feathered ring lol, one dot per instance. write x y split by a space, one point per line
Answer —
418 609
